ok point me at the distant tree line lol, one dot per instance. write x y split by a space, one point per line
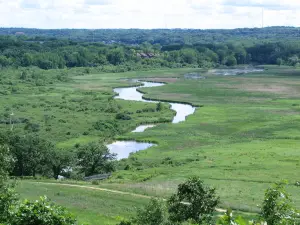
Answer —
160 36
58 54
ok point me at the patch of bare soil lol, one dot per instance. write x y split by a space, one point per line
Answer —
281 89
270 88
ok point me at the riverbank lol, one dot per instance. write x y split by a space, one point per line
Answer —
124 148
245 138
230 142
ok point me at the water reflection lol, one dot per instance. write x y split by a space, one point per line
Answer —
232 72
131 93
124 148
142 128
182 111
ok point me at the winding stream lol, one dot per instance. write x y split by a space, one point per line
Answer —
124 148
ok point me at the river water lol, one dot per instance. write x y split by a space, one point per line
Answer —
124 148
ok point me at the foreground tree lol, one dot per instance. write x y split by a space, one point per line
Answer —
7 194
277 206
8 198
193 201
277 209
95 158
5 163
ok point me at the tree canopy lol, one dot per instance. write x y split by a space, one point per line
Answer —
64 53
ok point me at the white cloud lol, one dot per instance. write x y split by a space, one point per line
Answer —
148 13
30 4
98 2
266 4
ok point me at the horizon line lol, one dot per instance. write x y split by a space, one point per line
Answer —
148 28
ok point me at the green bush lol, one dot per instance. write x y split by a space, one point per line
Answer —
32 127
193 201
159 107
155 213
8 197
228 219
123 116
122 223
108 125
95 182
41 212
277 207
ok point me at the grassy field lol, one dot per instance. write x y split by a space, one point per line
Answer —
89 206
67 112
243 139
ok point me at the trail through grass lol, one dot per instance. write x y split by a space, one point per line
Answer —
243 139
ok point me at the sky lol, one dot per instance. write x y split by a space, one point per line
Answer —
148 14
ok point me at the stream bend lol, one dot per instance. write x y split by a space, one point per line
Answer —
124 148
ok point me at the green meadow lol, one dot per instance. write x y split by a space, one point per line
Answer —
243 138
89 206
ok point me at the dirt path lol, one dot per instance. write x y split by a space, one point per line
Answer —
111 191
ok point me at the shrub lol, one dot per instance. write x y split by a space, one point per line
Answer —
77 145
148 110
228 219
167 160
159 107
154 213
95 182
62 121
127 167
193 201
32 127
8 197
108 125
125 223
123 116
41 212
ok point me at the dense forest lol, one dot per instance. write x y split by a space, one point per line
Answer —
20 51
161 36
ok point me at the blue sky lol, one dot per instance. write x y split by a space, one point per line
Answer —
203 14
